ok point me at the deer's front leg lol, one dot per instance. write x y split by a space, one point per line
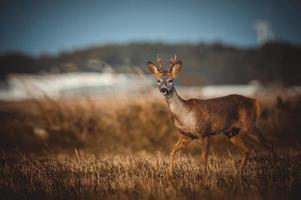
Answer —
182 142
205 145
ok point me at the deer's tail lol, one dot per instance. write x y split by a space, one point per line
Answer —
257 108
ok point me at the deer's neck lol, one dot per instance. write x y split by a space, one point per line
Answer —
176 103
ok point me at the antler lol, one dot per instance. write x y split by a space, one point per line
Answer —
173 60
159 62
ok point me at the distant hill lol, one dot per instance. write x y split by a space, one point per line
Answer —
202 63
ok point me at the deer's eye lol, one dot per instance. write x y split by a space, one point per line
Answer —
159 81
170 80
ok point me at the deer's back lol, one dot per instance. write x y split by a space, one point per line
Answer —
221 114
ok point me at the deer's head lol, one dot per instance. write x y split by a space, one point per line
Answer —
165 78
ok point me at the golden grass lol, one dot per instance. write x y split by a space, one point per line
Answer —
143 176
126 142
117 125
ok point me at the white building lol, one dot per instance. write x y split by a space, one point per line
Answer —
25 86
77 84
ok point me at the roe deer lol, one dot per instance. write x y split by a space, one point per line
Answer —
231 115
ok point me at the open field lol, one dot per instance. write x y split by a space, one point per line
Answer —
143 176
118 149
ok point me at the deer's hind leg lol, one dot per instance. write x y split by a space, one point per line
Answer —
256 134
244 150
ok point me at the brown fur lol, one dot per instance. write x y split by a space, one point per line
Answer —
218 115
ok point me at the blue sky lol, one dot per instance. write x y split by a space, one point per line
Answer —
39 26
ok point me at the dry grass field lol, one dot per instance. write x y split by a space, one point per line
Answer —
118 149
143 176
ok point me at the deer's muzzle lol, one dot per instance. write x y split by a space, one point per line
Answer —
164 91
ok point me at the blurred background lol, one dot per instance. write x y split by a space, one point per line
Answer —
62 58
74 47
81 117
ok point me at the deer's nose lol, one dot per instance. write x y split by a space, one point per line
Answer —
163 90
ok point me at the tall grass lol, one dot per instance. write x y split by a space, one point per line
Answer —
122 125
143 176
126 141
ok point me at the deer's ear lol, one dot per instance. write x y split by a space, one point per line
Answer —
175 69
154 69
